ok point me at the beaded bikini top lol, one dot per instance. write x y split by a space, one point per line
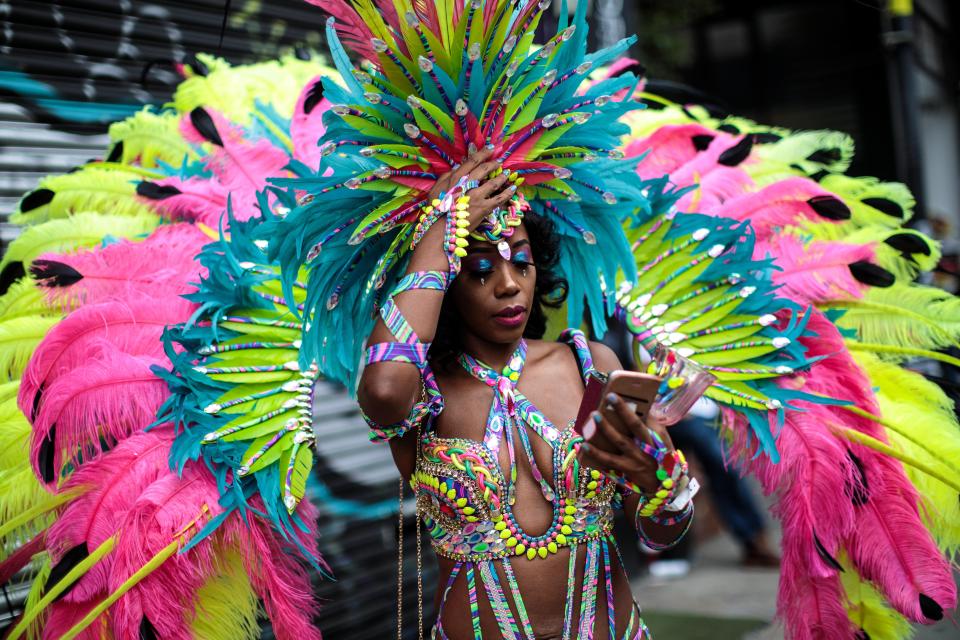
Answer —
466 499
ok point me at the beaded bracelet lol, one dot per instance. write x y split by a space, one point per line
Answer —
658 546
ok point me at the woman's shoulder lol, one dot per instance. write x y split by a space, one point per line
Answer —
554 351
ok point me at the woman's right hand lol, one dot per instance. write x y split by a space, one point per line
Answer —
488 195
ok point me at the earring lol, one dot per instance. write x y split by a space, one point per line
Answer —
483 282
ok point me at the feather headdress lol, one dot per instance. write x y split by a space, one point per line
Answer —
440 80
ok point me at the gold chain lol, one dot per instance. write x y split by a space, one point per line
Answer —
400 563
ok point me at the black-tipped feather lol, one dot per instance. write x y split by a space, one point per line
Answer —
737 153
825 156
50 273
930 608
45 456
702 141
205 126
872 275
156 191
313 97
908 244
828 559
885 205
70 560
829 207
12 272
116 153
36 198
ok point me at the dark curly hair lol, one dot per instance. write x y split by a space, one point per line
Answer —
550 290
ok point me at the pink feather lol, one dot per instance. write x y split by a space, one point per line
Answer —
817 271
107 399
162 266
241 166
353 31
812 608
64 615
891 547
132 327
714 189
668 148
200 200
171 507
785 203
277 575
306 129
113 482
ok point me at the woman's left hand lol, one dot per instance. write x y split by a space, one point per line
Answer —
614 420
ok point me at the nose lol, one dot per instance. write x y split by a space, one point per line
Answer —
507 284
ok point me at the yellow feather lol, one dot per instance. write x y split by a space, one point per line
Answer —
79 230
18 339
148 136
909 400
24 298
92 188
227 607
867 609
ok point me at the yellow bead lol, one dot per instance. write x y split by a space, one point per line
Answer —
668 484
552 547
498 518
435 203
567 519
592 485
461 502
462 232
520 181
462 242
505 534
565 530
500 526
542 552
520 549
591 494
512 542
472 518
561 539
531 554
569 509
460 252
469 511
452 494
675 383
443 487
594 474
663 493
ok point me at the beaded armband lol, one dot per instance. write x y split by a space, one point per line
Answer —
454 208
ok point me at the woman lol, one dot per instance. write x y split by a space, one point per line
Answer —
490 320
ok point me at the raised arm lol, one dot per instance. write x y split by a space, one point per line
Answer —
390 389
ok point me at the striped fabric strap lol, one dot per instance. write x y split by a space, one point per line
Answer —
415 353
408 347
608 583
518 600
498 602
571 591
474 605
588 602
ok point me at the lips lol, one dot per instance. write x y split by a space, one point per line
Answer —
511 316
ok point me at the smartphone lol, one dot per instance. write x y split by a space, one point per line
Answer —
637 389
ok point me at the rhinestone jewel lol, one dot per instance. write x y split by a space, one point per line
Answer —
413 101
584 67
368 152
411 18
567 33
383 172
589 237
601 101
425 64
340 110
461 108
562 172
378 45
609 198
549 77
412 130
474 52
352 183
549 120
373 97
509 44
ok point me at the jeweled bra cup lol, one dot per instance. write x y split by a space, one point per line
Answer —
461 497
